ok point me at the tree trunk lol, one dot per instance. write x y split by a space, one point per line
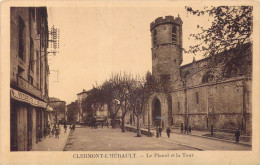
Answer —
113 122
123 123
149 129
138 127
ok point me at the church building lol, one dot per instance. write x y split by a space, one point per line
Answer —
196 97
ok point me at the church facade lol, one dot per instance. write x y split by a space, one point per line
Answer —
195 97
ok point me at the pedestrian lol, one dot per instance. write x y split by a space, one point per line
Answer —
157 132
160 131
237 134
186 129
73 127
168 131
65 127
57 132
102 123
189 129
182 128
39 133
107 124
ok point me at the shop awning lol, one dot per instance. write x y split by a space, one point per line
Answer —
20 96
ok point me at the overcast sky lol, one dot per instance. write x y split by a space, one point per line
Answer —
96 42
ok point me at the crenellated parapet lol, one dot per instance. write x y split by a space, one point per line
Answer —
165 20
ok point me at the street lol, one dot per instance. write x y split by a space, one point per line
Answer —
107 139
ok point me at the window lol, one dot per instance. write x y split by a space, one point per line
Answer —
20 71
37 63
178 106
207 77
21 43
32 55
30 79
155 37
165 78
174 36
197 97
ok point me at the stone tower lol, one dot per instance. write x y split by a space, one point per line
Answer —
166 48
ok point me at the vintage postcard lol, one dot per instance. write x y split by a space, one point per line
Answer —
123 82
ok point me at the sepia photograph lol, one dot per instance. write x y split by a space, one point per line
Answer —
128 81
178 104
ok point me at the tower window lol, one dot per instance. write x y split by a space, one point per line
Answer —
21 52
155 37
174 36
165 78
178 106
197 97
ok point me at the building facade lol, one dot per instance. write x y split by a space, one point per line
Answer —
59 110
81 106
29 72
195 96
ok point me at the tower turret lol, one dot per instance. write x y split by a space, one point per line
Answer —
166 48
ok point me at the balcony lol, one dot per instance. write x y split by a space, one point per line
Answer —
25 85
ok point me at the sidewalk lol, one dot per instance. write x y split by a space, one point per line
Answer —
226 137
52 143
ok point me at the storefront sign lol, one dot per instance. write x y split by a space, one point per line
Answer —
19 96
28 87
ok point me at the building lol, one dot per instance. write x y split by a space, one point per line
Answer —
59 109
195 96
29 72
73 112
81 106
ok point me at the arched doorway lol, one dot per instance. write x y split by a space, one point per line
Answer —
156 115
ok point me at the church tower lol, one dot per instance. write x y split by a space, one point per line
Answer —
166 48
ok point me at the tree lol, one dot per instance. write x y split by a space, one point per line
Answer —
121 85
139 93
229 34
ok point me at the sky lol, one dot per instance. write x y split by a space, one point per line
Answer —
96 42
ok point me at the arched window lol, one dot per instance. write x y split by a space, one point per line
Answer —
155 37
21 40
174 34
207 77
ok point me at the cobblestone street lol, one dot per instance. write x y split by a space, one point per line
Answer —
107 139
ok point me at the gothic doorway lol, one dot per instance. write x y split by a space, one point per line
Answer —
156 115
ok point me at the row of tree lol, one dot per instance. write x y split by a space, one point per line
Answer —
125 92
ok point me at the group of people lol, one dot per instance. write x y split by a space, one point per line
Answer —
55 130
159 131
94 124
187 129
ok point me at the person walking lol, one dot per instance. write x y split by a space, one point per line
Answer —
160 131
57 132
65 127
73 127
189 129
237 135
168 131
157 132
39 133
186 129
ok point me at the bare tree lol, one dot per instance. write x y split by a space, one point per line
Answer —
121 83
139 93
